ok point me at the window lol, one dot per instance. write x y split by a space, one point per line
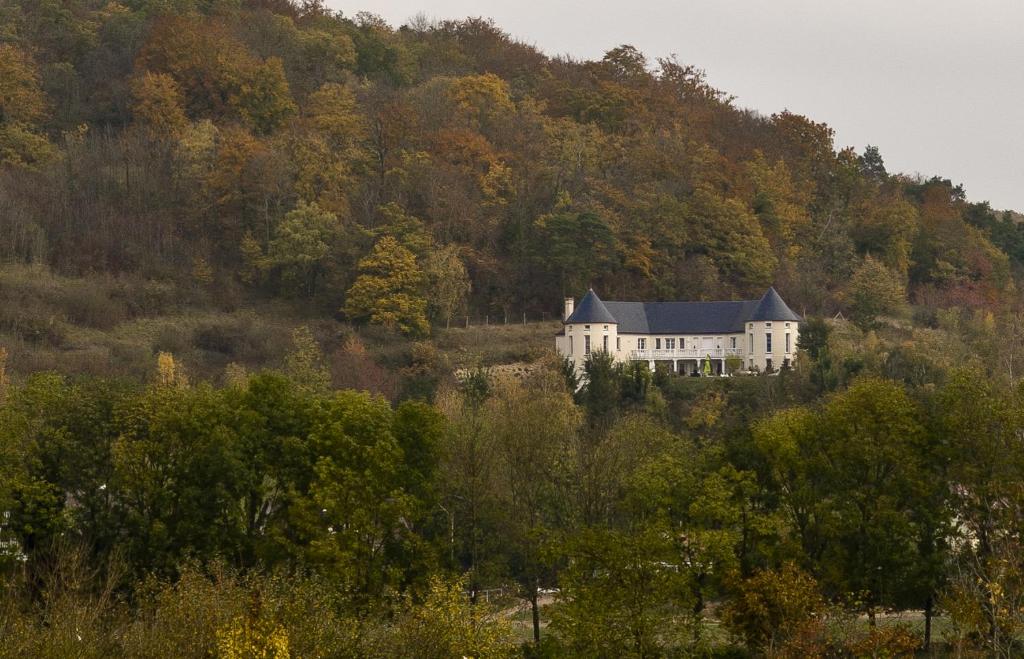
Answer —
657 344
670 344
768 365
586 345
767 324
606 328
586 327
682 343
732 342
605 347
787 343
641 344
618 343
751 344
768 343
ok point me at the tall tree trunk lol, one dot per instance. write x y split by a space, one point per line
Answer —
535 609
929 605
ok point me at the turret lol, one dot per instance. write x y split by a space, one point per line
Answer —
589 327
772 332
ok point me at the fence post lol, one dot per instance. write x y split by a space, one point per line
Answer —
524 318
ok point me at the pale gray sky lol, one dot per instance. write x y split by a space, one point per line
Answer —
937 85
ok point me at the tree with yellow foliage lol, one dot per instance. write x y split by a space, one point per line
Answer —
447 625
168 372
22 106
158 103
252 639
389 290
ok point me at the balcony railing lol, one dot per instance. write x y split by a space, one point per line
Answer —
684 353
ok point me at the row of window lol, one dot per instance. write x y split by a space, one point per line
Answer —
670 343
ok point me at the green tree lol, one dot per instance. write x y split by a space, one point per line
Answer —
359 514
578 246
302 245
980 430
532 476
814 342
874 291
622 593
469 469
853 483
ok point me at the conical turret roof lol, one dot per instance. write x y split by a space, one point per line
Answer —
591 310
772 307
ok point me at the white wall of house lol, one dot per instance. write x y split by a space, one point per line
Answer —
581 339
784 335
683 349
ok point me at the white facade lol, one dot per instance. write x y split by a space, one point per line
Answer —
764 345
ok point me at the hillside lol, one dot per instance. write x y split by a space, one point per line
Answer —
304 166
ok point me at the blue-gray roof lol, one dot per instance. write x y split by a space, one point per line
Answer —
591 310
771 307
682 317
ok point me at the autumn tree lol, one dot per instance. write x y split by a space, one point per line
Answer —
23 106
449 283
158 103
389 290
773 606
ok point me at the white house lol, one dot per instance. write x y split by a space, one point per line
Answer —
751 334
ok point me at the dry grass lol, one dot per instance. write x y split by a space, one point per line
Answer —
488 345
115 326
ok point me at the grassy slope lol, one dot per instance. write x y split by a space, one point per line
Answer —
109 326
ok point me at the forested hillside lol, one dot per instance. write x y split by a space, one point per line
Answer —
261 149
242 414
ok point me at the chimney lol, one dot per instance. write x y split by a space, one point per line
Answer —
569 305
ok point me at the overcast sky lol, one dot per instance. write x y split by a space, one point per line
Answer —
937 85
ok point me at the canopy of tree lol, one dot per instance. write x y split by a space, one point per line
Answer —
278 142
